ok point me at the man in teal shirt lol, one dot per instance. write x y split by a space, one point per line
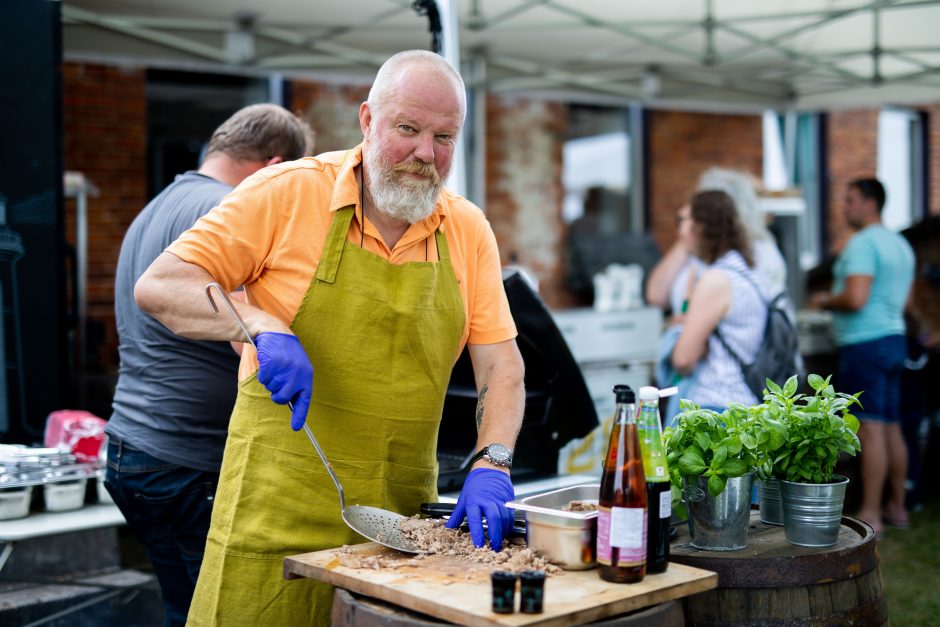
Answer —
872 279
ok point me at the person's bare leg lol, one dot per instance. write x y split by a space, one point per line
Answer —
874 465
897 472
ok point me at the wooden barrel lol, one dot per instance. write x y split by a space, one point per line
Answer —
773 582
354 610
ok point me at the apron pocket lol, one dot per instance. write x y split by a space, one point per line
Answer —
286 504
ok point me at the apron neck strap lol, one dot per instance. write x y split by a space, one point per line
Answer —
443 253
335 241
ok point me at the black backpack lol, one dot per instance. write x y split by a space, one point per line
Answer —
778 357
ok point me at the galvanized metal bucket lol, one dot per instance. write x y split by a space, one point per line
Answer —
771 507
812 512
719 523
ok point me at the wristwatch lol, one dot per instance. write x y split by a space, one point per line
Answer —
494 453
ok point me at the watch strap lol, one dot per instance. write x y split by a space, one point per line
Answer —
483 452
477 456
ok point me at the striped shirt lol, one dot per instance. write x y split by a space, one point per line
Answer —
718 378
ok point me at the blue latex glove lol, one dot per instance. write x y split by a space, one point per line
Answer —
284 369
485 493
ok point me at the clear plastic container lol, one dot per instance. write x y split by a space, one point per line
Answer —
14 502
64 496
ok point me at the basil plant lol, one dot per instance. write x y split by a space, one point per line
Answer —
718 446
817 429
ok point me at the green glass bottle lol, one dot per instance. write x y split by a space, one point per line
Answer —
656 471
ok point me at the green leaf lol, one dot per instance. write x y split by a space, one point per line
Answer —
735 468
777 439
851 422
691 464
716 485
789 388
750 441
703 440
773 387
816 382
721 454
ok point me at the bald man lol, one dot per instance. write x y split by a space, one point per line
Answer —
365 280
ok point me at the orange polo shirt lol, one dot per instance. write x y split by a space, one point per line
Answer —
268 235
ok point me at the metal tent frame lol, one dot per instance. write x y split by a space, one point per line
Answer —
773 54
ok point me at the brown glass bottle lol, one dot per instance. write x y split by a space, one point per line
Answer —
622 511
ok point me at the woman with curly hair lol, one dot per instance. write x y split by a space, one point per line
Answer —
670 280
725 299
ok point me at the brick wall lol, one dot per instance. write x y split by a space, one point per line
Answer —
331 110
852 152
933 151
105 137
682 145
925 297
852 138
524 193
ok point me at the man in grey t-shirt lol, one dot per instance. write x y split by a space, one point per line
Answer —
174 396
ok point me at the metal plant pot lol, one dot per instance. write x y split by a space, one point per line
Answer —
771 507
812 512
719 523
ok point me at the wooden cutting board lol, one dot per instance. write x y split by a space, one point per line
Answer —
460 592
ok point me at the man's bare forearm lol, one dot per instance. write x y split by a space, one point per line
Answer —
500 376
173 292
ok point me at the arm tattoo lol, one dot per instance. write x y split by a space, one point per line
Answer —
480 406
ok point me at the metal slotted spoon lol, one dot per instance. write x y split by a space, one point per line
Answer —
379 525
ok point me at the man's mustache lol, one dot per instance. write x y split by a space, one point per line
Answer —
423 169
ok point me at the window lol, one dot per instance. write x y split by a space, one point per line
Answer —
603 204
183 109
900 167
596 169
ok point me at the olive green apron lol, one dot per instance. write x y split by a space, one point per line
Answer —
382 339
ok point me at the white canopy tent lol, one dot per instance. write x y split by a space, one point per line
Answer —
722 54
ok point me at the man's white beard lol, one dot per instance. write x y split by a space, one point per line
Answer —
397 195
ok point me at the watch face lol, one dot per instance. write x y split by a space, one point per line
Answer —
498 454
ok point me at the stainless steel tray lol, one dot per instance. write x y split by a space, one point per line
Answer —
564 538
25 466
546 507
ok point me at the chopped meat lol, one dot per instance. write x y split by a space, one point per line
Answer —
431 537
580 506
349 558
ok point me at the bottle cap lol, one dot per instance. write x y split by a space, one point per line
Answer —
532 591
624 394
504 591
649 393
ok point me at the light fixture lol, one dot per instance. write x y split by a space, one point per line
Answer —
240 39
651 83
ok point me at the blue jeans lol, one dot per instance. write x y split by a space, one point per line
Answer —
168 507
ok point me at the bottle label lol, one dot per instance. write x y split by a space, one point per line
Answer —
665 504
623 528
651 444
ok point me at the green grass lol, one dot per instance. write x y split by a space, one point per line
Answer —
910 567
